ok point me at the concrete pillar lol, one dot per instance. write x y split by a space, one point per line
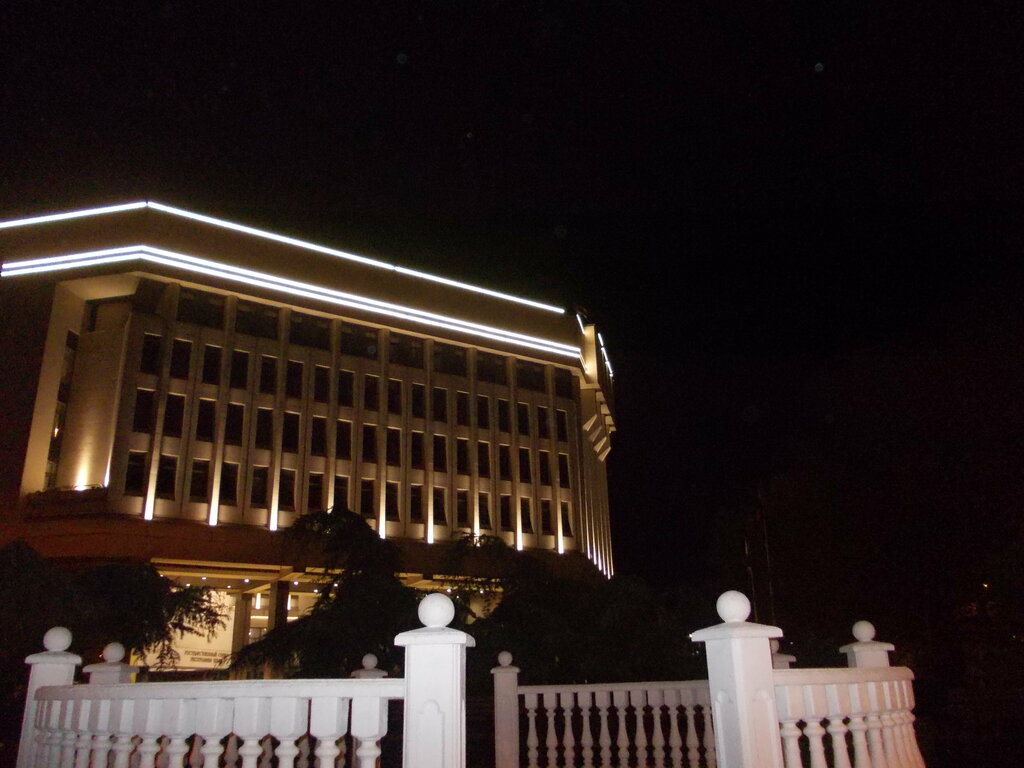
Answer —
243 616
54 666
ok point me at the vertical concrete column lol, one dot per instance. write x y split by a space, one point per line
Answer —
243 617
277 608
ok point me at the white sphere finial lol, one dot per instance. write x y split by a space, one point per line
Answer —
369 661
774 645
113 652
733 606
504 659
864 631
436 610
57 639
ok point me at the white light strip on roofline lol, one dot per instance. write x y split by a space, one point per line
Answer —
580 321
169 258
71 215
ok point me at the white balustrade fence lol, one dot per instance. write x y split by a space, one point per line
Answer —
248 724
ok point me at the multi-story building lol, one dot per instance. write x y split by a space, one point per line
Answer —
179 388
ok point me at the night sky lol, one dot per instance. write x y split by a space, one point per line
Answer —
796 224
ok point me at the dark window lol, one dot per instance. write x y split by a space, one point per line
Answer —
310 331
148 295
566 521
145 405
371 392
135 474
315 492
393 447
181 358
483 411
449 359
369 443
206 420
256 320
174 415
235 421
484 502
525 476
293 378
483 459
199 486
359 340
318 437
440 517
268 374
166 477
419 400
563 383
543 428
346 385
544 462
290 433
529 375
286 495
240 369
462 509
150 362
366 505
523 418
340 492
343 440
505 512
406 350
562 425
416 450
264 428
211 364
503 416
391 503
462 456
563 470
321 383
462 409
439 404
546 523
229 484
258 492
416 504
504 462
490 368
201 308
394 396
525 521
440 453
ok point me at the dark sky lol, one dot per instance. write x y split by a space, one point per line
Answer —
745 196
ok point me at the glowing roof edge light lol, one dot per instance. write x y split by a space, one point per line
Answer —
273 282
280 239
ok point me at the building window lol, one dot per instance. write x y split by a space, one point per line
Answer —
544 462
523 418
563 383
394 396
145 407
293 378
406 350
391 503
234 424
166 477
439 404
206 420
340 492
199 486
483 459
416 504
229 484
268 374
343 440
562 425
525 521
563 470
147 296
484 505
525 476
462 509
419 401
503 416
483 412
150 362
239 369
504 462
462 456
393 447
529 375
490 368
566 521
135 474
310 331
256 320
546 523
264 428
201 308
315 492
440 516
181 358
543 428
346 387
258 492
286 495
211 364
462 409
321 383
318 436
359 340
371 392
449 359
440 453
290 433
174 415
370 443
416 450
505 512
366 501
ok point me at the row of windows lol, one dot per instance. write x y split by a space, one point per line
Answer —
199 490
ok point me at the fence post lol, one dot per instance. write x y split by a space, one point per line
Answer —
435 688
506 712
866 652
110 671
742 687
780 660
369 669
54 666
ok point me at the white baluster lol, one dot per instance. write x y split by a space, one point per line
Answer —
161 755
47 734
179 717
656 699
369 725
621 701
791 709
83 741
692 742
586 729
147 727
68 735
532 742
566 699
122 719
328 721
790 733
214 720
675 740
815 733
551 737
839 705
251 723
639 703
602 699
288 721
100 725
858 725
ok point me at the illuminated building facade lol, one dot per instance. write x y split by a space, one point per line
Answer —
183 387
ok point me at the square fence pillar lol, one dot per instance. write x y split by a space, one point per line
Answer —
54 666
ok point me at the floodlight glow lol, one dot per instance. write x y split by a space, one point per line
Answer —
71 215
